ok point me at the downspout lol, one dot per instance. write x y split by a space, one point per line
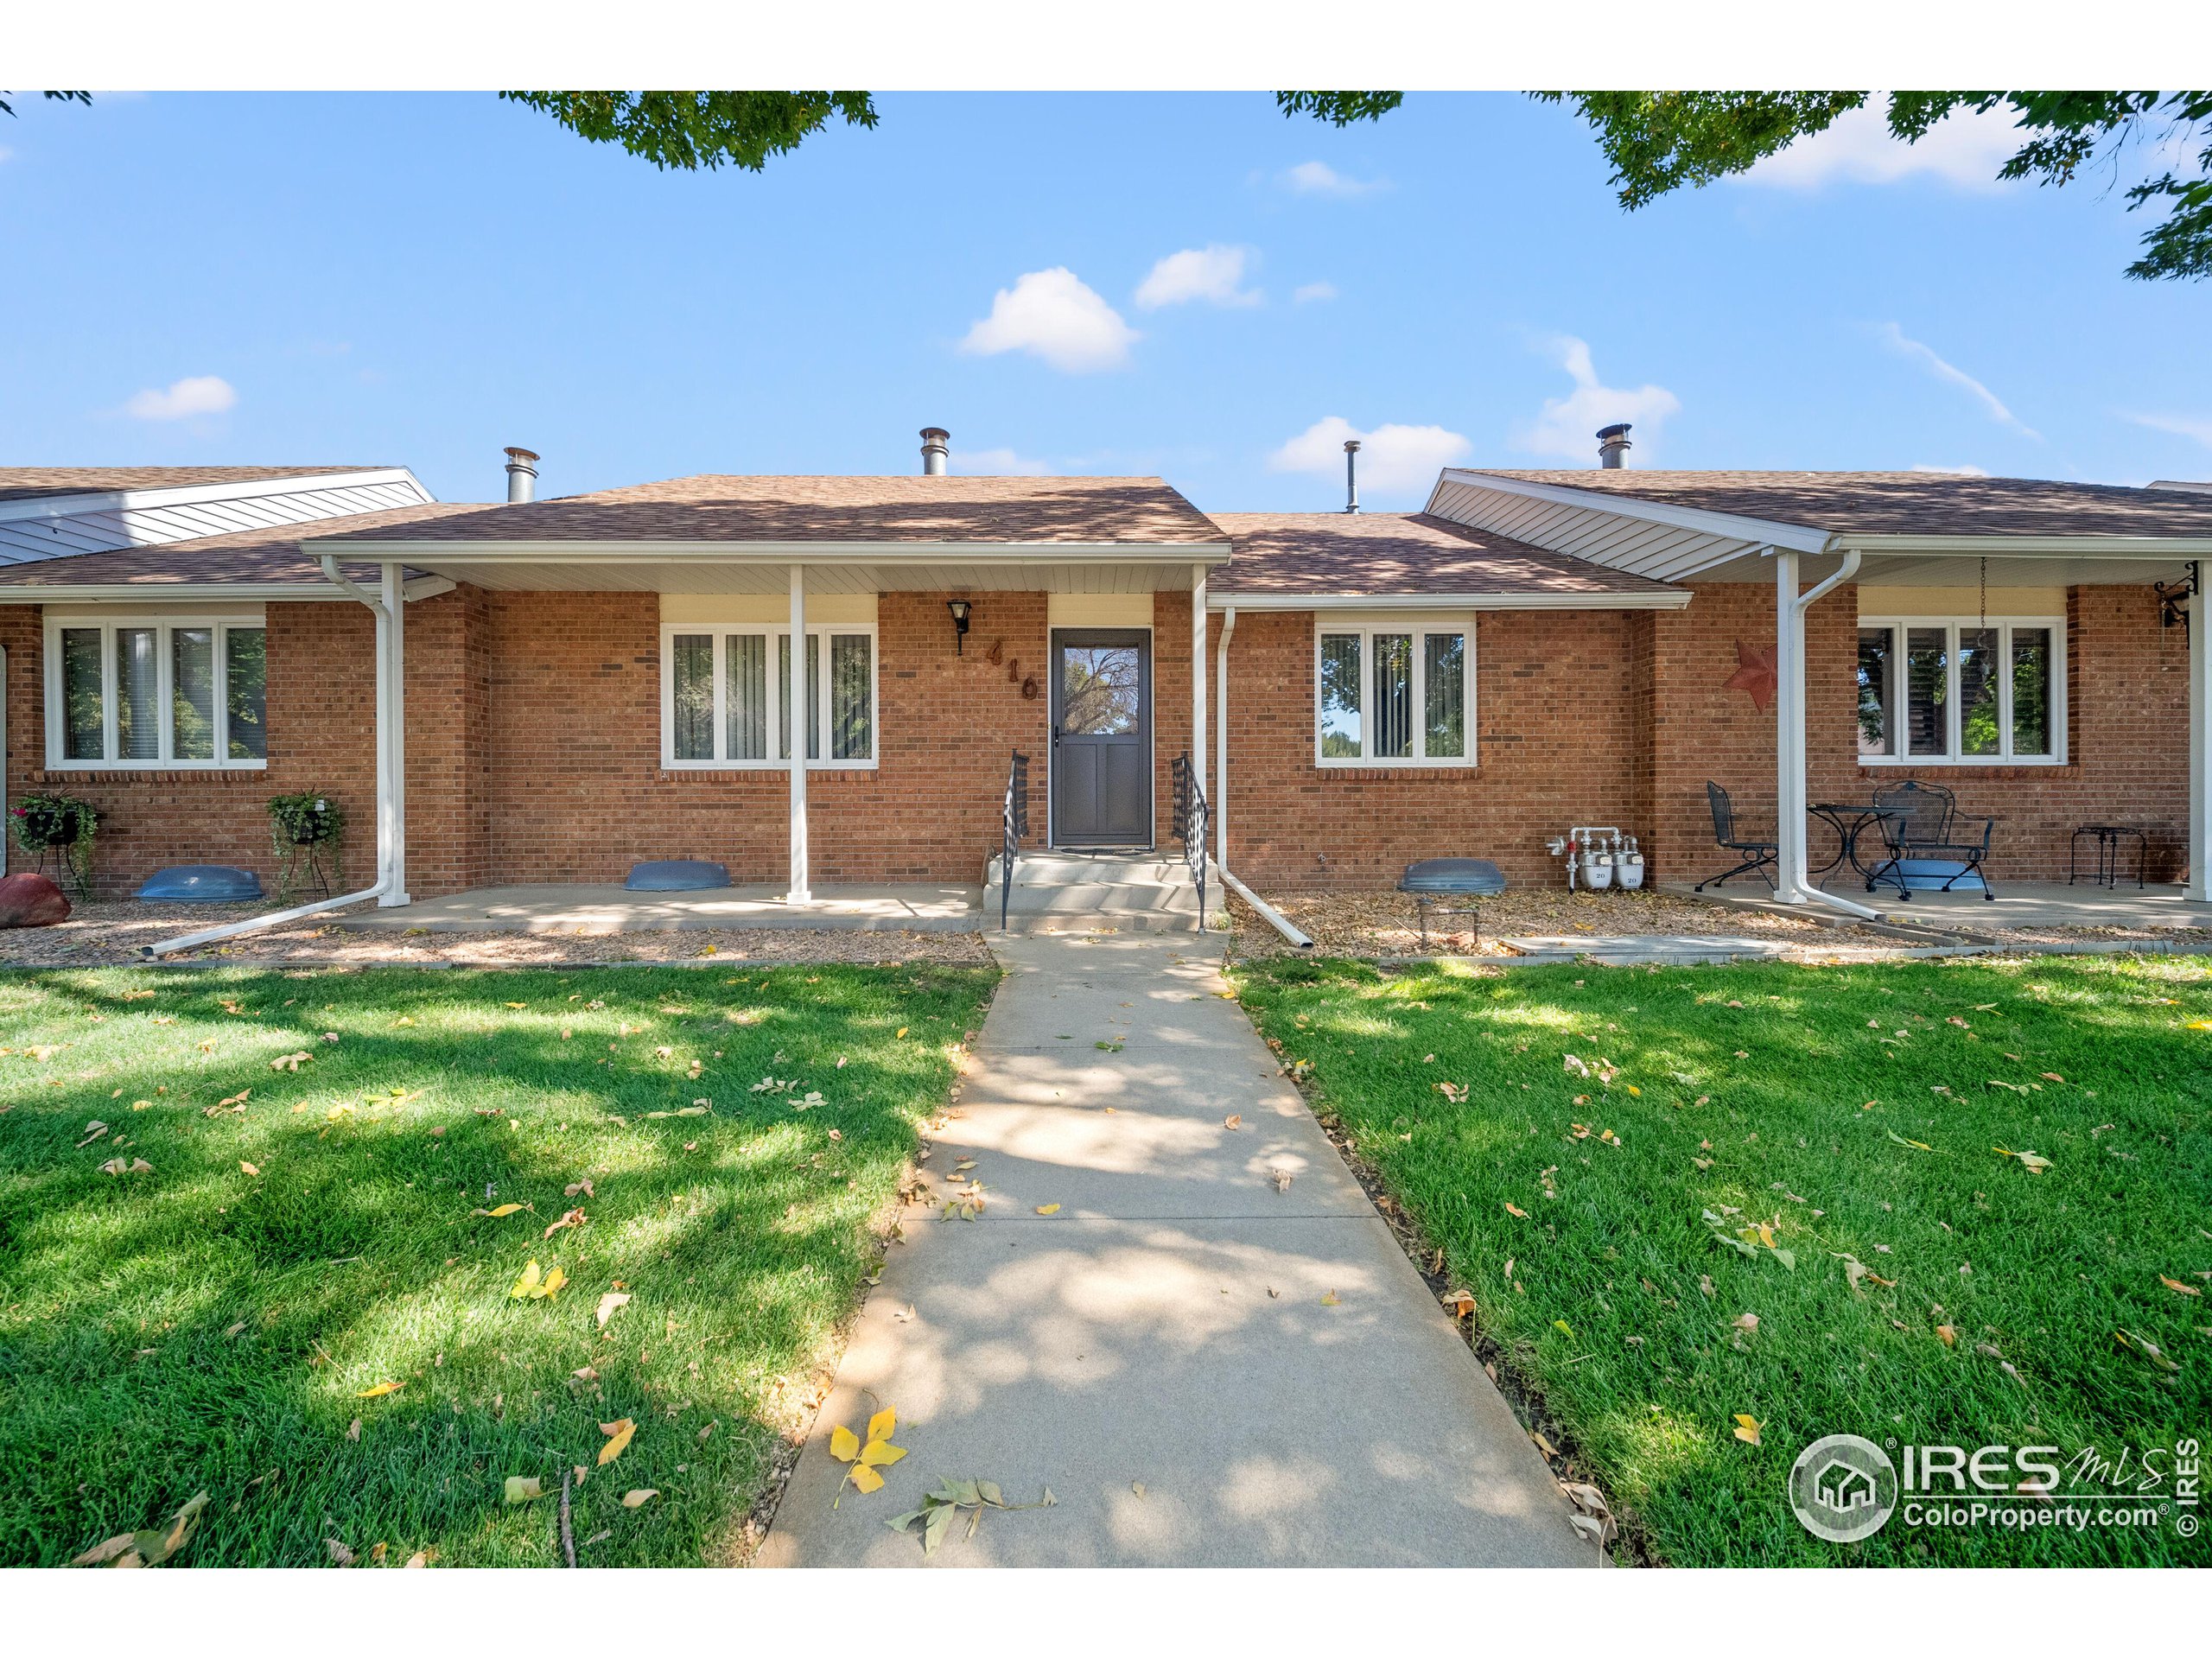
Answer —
390 885
1268 912
1791 886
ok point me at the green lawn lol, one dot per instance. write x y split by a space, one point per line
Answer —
207 1325
1784 1095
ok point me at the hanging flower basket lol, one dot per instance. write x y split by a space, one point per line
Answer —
61 827
306 829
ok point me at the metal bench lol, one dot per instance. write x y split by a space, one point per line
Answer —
1434 879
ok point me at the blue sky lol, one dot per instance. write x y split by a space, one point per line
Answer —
425 278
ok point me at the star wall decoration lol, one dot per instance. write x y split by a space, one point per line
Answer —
1755 673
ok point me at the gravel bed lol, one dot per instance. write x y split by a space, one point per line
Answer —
110 935
1386 924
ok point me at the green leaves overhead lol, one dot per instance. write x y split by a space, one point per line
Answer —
701 129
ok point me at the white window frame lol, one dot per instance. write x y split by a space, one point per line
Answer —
1417 623
721 632
1953 708
220 624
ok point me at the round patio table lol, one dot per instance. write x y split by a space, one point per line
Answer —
1849 819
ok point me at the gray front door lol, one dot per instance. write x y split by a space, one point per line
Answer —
1102 737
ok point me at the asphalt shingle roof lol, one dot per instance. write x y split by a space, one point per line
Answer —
911 507
20 483
1903 503
1287 553
270 556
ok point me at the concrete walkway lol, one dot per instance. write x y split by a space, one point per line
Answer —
1161 1352
570 908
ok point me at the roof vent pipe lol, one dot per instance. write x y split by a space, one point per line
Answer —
1352 474
522 476
936 446
1613 445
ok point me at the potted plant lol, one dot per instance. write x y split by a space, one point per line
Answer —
63 827
306 829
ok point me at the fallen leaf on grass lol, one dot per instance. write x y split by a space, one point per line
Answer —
1459 1304
2176 1285
151 1546
1917 1146
2149 1350
503 1210
2034 1162
249 1169
1747 1428
353 1430
618 1433
289 1061
521 1488
419 1560
575 1187
1454 1092
93 1131
533 1287
1746 1323
380 1388
570 1218
135 1166
1513 1208
612 1300
639 1497
1563 1328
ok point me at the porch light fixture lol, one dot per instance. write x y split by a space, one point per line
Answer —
959 608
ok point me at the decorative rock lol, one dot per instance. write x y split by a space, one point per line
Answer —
29 900
202 884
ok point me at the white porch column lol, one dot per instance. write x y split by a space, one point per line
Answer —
392 736
1788 728
1221 741
1198 680
795 705
2199 741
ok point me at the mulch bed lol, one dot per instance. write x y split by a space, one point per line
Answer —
109 935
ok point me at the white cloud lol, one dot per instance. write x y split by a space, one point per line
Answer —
1320 179
1896 339
1055 316
998 463
1567 427
2180 426
198 394
1964 469
1308 293
1214 273
1964 149
1393 459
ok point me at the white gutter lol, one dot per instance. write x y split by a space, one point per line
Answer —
1791 886
389 886
1672 598
1268 912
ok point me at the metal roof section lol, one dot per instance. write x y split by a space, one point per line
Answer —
1671 542
70 520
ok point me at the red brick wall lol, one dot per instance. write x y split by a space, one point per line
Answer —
576 791
1556 718
2128 703
321 736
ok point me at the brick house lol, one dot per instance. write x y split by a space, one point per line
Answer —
551 690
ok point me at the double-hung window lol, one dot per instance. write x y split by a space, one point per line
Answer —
166 692
1952 691
724 691
1395 692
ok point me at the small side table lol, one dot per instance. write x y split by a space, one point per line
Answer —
2109 836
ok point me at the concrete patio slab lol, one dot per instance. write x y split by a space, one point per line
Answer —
1205 1368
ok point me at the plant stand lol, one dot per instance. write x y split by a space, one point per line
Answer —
306 863
68 875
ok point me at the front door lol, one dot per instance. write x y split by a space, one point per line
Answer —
1102 737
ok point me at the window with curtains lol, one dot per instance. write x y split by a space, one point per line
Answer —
1948 691
166 692
724 690
1395 692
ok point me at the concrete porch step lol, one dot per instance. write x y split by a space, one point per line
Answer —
1067 891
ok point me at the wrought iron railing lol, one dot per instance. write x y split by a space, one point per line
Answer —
1191 815
1013 825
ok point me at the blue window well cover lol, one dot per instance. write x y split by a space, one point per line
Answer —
677 875
202 884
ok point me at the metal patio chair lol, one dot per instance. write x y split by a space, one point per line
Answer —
1725 836
1921 824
